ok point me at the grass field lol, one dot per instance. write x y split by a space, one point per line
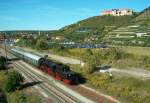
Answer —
145 51
138 57
125 89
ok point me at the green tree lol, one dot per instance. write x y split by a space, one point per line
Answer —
90 60
41 44
14 80
41 37
88 53
2 63
90 66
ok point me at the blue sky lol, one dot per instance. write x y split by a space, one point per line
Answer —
54 14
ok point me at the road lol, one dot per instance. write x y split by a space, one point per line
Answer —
49 88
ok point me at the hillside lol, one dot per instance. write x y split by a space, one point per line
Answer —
122 30
136 32
93 26
144 15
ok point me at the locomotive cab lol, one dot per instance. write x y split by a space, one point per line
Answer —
74 78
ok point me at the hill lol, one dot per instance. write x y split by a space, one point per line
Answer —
97 26
122 30
135 32
144 15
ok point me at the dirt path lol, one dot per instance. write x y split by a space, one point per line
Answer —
137 73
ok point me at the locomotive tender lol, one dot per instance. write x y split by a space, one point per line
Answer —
58 71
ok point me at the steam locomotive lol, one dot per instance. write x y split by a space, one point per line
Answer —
58 71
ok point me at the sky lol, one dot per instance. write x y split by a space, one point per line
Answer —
55 14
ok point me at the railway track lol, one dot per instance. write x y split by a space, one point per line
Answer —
51 91
58 96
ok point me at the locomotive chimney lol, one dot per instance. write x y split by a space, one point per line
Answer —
45 56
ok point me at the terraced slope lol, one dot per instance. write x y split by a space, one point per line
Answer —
137 31
94 25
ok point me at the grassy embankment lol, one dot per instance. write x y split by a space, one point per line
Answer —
133 57
19 96
143 51
125 89
140 58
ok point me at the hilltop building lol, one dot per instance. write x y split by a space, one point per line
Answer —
1 37
117 12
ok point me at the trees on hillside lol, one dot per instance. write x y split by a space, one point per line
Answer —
39 43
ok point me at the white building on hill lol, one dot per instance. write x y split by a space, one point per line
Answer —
117 12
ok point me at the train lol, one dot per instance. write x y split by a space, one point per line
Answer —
59 71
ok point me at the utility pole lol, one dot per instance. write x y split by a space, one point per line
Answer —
80 57
5 45
80 49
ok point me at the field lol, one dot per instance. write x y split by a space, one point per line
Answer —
125 89
132 57
128 90
144 51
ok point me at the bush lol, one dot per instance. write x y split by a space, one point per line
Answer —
24 42
41 44
2 63
112 54
98 80
22 97
91 61
14 80
89 68
3 98
129 89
